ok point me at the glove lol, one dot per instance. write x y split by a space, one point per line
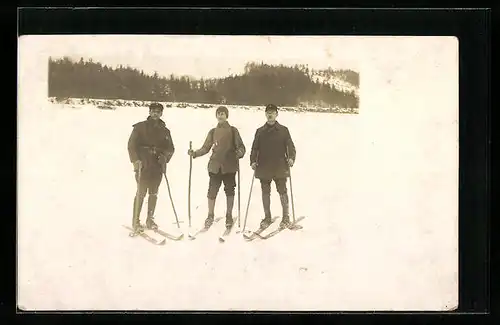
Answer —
253 165
239 153
137 165
290 162
191 153
162 159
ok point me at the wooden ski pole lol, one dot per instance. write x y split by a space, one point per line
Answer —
189 185
291 185
137 211
171 200
239 208
248 204
291 195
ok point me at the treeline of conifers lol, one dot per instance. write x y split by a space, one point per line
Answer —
259 84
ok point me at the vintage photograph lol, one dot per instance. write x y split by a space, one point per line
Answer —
245 173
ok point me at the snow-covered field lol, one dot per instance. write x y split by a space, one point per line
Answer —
117 103
380 231
379 189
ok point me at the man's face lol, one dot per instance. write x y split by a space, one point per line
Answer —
155 113
271 116
221 117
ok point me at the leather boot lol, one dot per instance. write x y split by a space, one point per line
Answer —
136 223
285 221
210 219
229 211
266 203
152 199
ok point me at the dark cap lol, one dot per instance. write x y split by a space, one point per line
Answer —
156 106
222 109
271 107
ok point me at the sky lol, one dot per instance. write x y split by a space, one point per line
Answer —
206 56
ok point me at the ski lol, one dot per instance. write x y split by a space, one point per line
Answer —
294 226
257 233
144 235
167 235
204 229
227 231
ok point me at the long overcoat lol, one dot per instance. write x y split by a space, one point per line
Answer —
271 147
151 143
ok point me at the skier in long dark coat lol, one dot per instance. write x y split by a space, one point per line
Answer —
227 148
150 148
273 153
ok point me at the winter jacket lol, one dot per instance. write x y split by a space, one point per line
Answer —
151 143
271 147
227 147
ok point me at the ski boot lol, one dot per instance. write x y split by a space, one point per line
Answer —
285 222
229 211
266 222
150 220
266 203
229 221
150 223
137 230
209 221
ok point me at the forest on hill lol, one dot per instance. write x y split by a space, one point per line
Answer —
260 84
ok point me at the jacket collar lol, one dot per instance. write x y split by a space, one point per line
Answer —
275 125
160 121
223 124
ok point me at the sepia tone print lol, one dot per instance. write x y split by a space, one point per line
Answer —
238 173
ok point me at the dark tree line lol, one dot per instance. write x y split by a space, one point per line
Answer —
259 84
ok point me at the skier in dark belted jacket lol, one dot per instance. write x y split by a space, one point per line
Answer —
150 148
273 153
227 148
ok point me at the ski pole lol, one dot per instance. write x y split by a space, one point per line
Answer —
171 200
291 186
239 209
137 194
248 204
291 195
189 185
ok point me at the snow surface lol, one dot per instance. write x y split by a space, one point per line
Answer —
376 236
116 103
